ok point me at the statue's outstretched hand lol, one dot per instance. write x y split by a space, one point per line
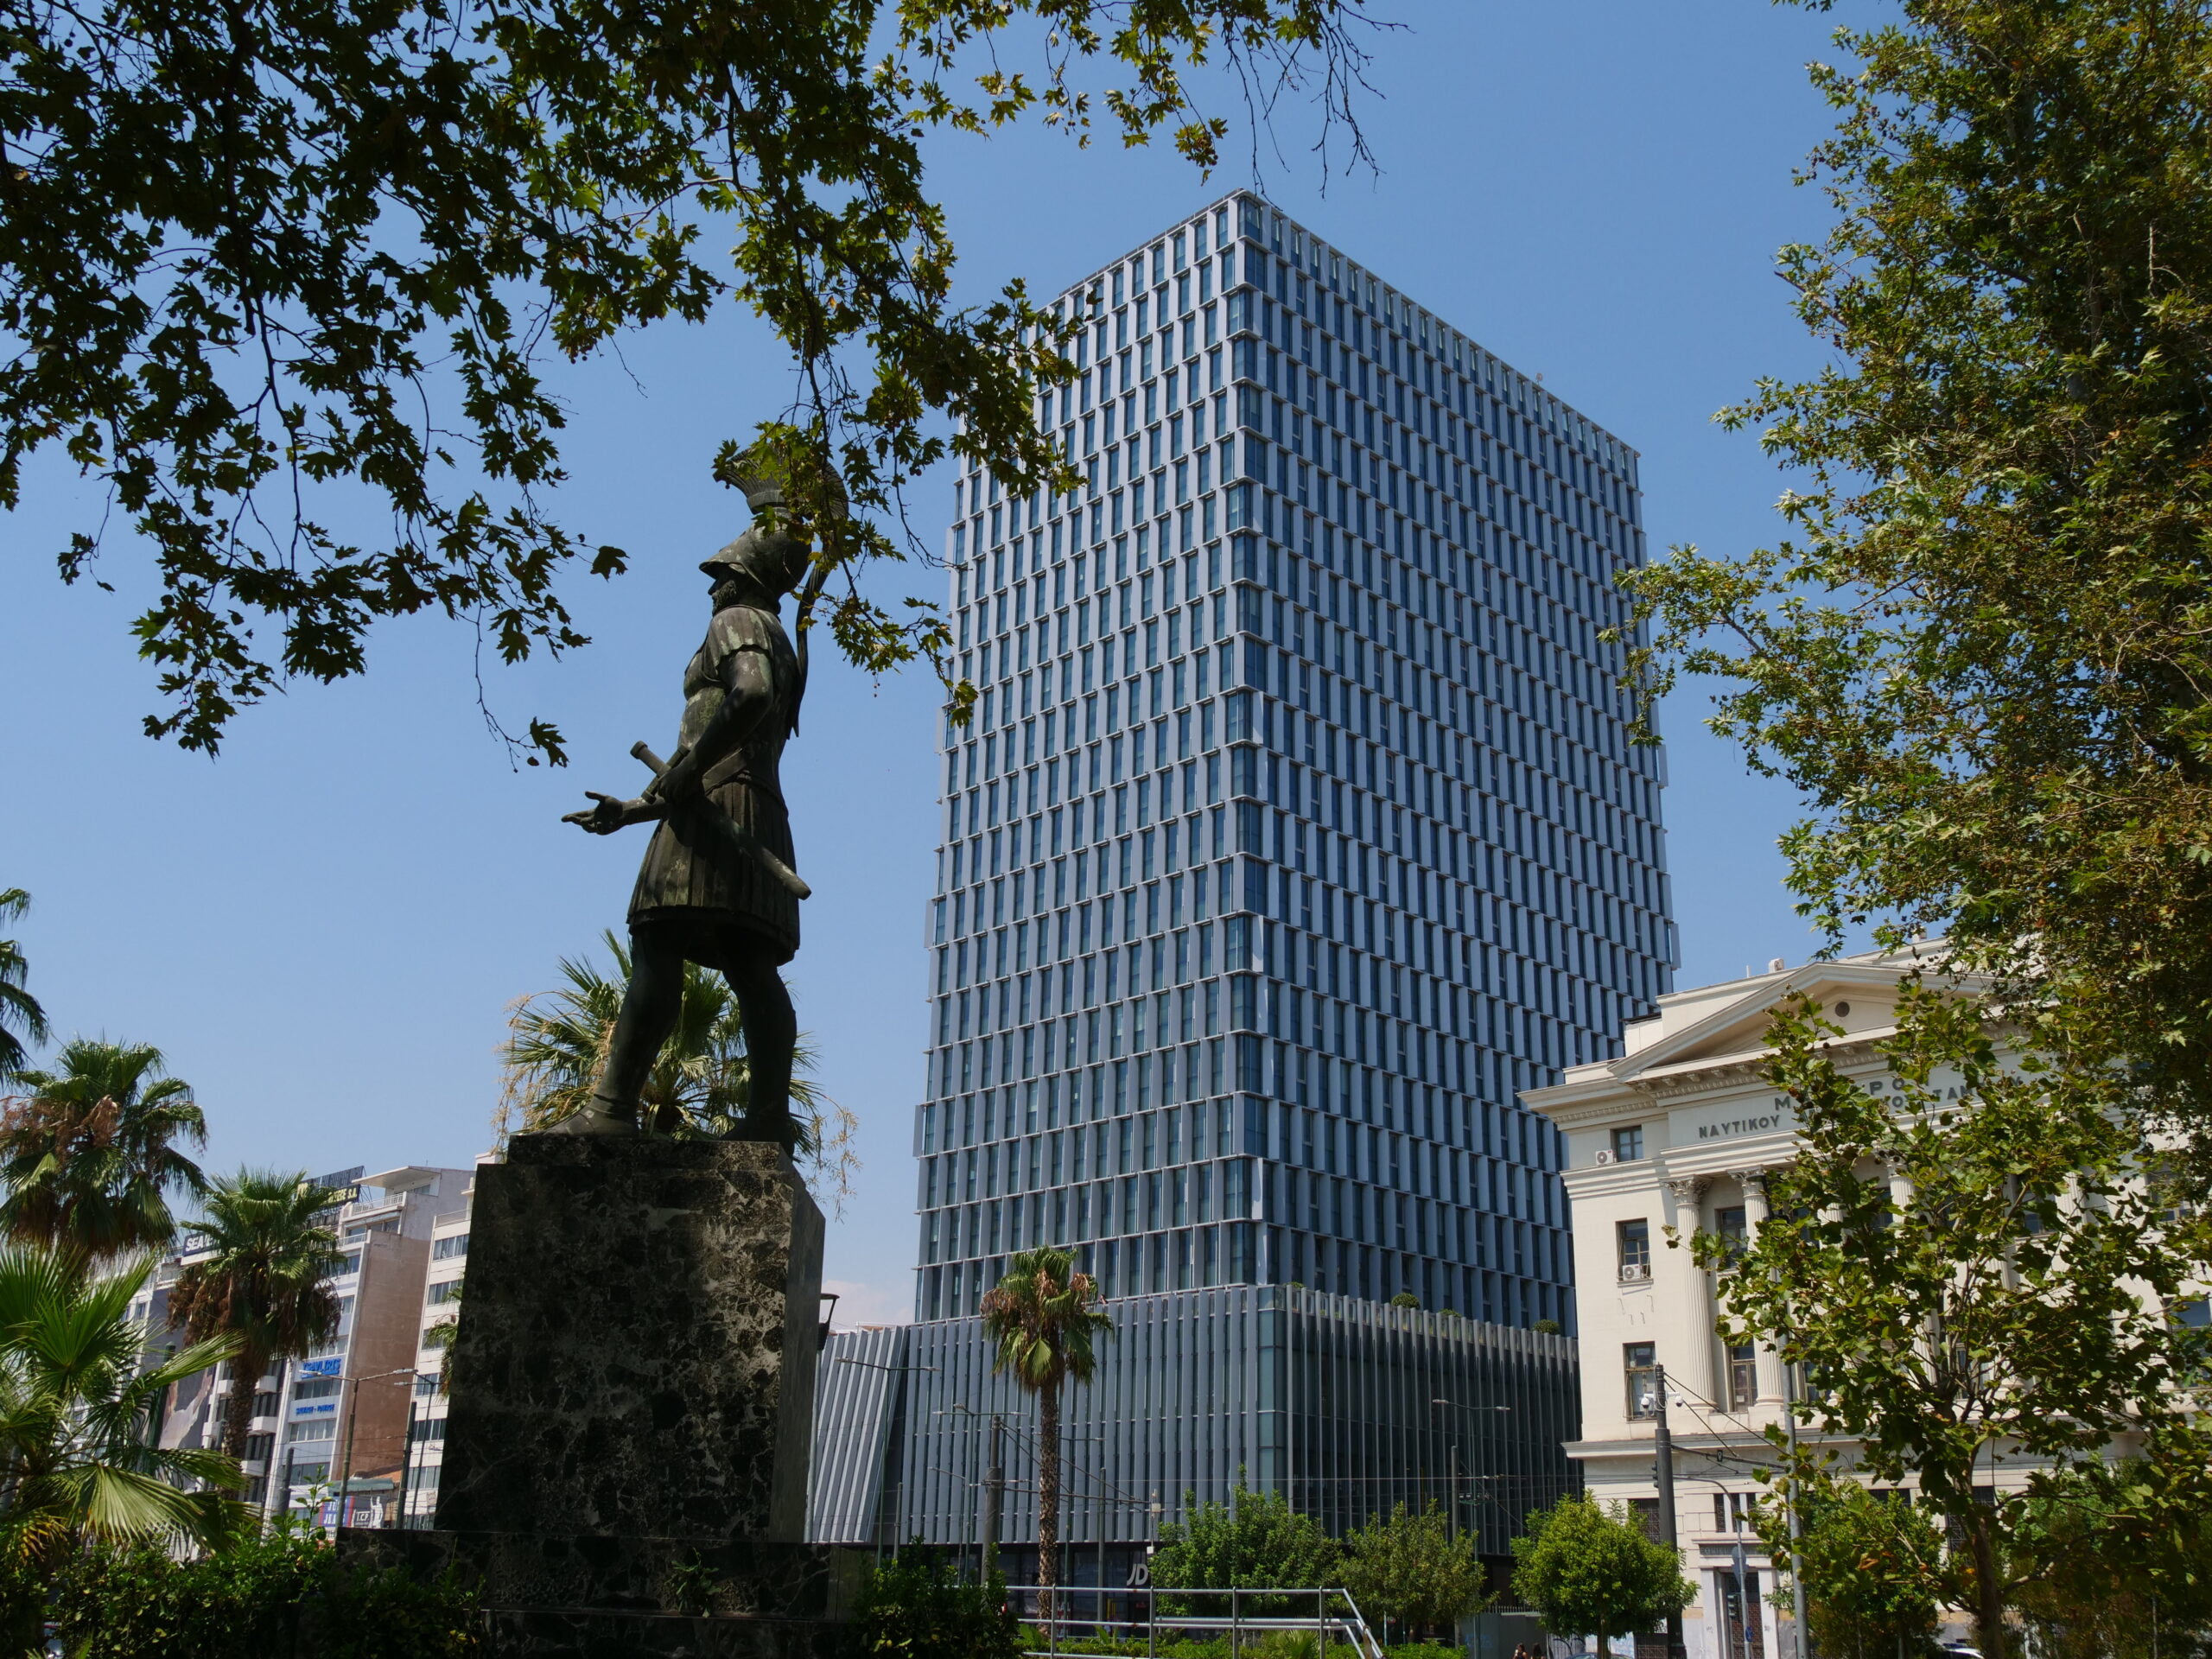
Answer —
607 814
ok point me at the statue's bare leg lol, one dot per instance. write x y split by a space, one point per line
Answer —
771 1035
651 1005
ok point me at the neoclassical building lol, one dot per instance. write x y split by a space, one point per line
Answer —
1678 1133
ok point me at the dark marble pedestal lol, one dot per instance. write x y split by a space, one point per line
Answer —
633 1406
546 1597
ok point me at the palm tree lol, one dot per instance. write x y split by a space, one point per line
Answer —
1042 1314
18 1007
89 1152
265 1280
75 1458
699 1085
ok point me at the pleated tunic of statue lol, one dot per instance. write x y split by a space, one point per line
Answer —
693 874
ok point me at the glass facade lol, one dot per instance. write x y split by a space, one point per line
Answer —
1346 1407
1297 828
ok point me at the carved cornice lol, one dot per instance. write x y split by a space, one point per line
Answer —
1696 1076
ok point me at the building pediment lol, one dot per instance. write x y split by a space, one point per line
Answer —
1861 996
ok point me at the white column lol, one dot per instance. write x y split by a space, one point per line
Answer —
1691 1362
1756 1211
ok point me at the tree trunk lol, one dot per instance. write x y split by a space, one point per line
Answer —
1048 1493
1989 1594
238 1405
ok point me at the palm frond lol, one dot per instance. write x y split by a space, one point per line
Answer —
73 1404
20 1016
700 1083
89 1155
264 1283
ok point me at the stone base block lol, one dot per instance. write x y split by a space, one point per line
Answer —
636 1351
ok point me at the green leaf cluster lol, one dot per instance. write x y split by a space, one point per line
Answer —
263 265
1043 1319
1408 1569
1874 1569
1588 1570
89 1152
917 1606
1254 1541
19 1010
261 1275
1966 1262
1981 652
277 1593
2114 1561
75 1395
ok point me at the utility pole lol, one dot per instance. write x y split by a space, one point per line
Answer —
1797 1516
407 1463
1455 1488
1662 1448
345 1480
994 1494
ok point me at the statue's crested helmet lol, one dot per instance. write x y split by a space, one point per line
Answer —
769 551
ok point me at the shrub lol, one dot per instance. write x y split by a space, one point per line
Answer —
1256 1541
1589 1570
270 1596
918 1608
1408 1569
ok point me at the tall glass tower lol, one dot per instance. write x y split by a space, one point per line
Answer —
1297 829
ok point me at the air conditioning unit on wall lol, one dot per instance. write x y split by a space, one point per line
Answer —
1604 1156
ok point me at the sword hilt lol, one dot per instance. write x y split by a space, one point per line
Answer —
742 839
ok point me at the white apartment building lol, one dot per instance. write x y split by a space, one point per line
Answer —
1679 1132
340 1416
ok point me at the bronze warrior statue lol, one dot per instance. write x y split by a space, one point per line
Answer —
717 886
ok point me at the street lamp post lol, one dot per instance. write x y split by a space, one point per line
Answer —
1745 1611
975 1493
894 1491
1453 1405
994 1495
407 1459
1803 1642
1662 1449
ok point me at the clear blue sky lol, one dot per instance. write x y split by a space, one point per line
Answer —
323 928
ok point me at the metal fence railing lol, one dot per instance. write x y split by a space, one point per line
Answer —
1244 1616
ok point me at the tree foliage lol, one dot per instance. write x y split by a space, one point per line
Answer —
1592 1571
22 1019
76 1395
1874 1567
916 1606
1965 1261
276 1593
1981 653
263 1280
2114 1561
1408 1568
89 1155
1043 1317
265 264
1254 1541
